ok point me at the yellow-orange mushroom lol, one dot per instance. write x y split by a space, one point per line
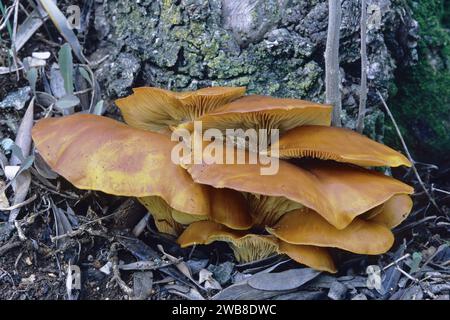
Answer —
394 211
98 153
338 192
265 112
338 144
307 206
306 227
158 109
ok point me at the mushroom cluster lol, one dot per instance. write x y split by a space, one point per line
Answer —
323 196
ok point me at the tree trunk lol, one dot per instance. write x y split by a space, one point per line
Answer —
363 89
332 77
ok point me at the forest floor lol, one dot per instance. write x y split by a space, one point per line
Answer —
71 244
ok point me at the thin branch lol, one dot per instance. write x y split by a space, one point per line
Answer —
332 79
422 184
363 89
19 205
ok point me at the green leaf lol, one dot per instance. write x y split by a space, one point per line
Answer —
85 75
414 264
65 61
32 76
98 108
67 103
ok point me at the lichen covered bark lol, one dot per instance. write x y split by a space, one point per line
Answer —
272 47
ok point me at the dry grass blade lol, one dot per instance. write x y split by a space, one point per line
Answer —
62 25
23 137
31 24
22 182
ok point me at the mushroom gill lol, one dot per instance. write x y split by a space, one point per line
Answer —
264 112
338 144
158 110
251 247
162 215
267 210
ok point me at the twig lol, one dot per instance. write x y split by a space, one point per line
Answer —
332 72
9 246
363 88
413 224
113 258
397 129
396 261
20 232
140 226
440 190
82 228
9 275
407 274
19 205
6 70
7 15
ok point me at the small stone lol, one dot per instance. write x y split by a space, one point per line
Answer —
196 265
337 291
222 272
28 261
16 99
142 284
360 296
29 280
41 55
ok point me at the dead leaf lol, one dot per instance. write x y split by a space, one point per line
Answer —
267 285
142 285
28 281
242 291
281 281
210 283
181 265
62 224
23 137
4 203
43 168
21 184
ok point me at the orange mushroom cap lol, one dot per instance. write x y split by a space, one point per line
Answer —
158 109
336 191
318 258
306 227
98 153
338 144
394 211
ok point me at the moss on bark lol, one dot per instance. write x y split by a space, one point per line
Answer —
422 103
